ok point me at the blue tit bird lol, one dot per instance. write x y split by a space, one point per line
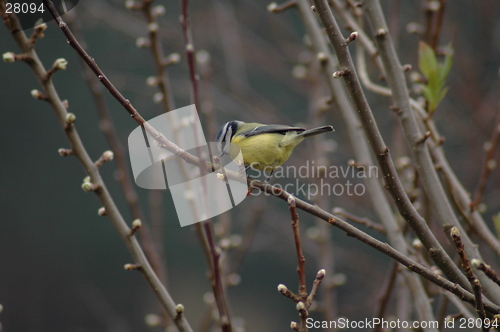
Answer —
263 147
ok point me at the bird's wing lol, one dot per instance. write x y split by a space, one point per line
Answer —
273 129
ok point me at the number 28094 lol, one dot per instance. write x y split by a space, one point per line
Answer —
24 8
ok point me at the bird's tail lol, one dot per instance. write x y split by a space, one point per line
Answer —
316 131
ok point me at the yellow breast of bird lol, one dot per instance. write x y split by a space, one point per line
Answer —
265 151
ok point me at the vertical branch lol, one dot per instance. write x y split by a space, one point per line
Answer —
301 270
434 15
302 299
302 295
476 285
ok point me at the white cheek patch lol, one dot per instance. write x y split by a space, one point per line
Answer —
227 139
221 138
223 144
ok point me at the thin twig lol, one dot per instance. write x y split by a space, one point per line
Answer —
476 285
438 25
301 270
487 270
317 282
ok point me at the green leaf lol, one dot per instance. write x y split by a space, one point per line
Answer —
426 59
435 73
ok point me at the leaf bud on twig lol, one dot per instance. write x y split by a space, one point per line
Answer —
282 289
88 186
9 57
172 59
130 267
65 152
108 155
136 224
351 37
153 27
272 7
339 73
455 232
475 263
41 27
61 64
70 118
37 94
381 32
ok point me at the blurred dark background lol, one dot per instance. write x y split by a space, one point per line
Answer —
62 265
